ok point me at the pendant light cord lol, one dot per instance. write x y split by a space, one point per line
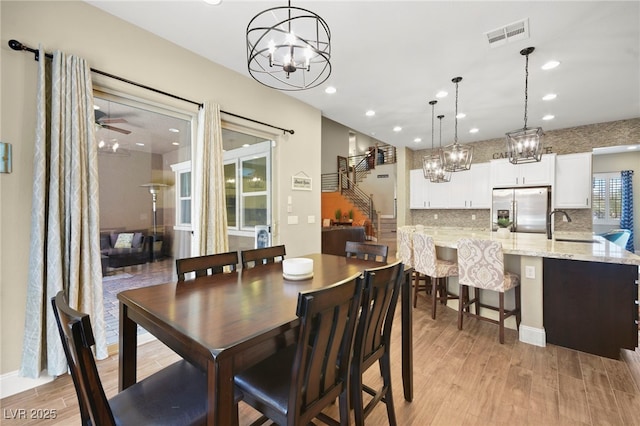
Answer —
526 89
455 138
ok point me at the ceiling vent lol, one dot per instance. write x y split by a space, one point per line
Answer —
515 31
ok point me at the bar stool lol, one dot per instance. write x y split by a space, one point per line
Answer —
439 270
405 253
481 266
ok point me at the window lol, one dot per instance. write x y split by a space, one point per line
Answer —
183 195
607 198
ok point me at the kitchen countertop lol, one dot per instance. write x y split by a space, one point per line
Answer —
537 245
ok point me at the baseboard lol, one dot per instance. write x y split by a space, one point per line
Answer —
533 336
11 383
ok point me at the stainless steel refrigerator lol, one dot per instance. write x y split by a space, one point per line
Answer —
526 208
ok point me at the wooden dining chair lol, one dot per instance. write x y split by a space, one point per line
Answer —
176 395
206 265
262 256
373 340
294 385
367 251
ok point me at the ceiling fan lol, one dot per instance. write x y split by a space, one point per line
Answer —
103 120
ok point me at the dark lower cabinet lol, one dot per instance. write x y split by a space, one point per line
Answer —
590 306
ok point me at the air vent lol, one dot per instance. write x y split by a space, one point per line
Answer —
515 31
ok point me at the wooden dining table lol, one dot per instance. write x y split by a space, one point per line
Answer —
227 322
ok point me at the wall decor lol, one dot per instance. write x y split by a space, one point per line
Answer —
301 182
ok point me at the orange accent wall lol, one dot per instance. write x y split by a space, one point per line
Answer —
331 201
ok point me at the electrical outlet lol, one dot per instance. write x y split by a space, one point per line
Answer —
435 216
473 217
530 272
564 218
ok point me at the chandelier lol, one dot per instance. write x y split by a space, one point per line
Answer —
525 145
432 160
440 175
289 48
456 157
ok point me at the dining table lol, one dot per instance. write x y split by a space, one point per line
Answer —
226 322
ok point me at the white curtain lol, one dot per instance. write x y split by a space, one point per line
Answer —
210 207
65 246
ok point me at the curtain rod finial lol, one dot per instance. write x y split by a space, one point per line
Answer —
16 45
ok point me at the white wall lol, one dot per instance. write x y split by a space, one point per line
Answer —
382 189
114 46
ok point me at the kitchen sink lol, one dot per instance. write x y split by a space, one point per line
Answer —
572 240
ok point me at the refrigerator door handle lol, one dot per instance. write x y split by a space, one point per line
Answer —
515 216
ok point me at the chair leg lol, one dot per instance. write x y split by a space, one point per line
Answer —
416 285
356 396
385 366
518 307
501 296
434 295
476 296
461 307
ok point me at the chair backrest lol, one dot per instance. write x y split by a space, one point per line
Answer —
379 300
424 254
367 251
77 339
481 264
262 256
321 365
208 264
405 245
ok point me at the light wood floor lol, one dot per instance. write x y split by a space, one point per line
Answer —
461 378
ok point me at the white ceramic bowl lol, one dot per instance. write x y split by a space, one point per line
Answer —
297 266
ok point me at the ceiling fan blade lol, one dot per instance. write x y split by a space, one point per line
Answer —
115 129
112 120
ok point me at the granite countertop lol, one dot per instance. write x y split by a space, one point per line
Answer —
537 245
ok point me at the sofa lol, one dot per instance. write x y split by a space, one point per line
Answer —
125 248
334 238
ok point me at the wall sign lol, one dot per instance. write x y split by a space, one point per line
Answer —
498 155
301 182
385 176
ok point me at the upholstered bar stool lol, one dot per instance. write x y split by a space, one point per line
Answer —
481 266
439 270
405 253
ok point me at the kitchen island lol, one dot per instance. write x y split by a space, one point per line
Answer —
578 290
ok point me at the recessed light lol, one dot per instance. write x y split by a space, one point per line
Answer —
461 115
549 97
175 143
330 90
474 130
417 140
370 113
213 2
632 147
96 107
441 94
139 144
548 117
246 145
397 129
550 65
101 144
174 130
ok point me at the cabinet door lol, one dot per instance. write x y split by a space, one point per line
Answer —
503 173
538 173
439 195
479 187
417 189
573 181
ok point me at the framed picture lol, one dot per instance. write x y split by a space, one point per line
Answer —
301 183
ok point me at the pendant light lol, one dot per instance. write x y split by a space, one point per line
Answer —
431 160
289 48
440 174
525 145
456 157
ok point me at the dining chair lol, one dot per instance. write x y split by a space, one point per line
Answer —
481 266
405 254
176 395
438 270
262 256
294 385
206 265
367 251
373 340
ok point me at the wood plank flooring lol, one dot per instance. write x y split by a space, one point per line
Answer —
461 378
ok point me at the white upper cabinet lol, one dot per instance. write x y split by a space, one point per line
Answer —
573 181
505 174
469 189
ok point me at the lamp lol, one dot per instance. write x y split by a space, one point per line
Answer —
430 161
525 145
154 188
455 157
283 40
440 174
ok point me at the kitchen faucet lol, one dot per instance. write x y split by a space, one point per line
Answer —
549 220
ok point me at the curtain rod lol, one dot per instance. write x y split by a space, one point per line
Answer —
16 45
